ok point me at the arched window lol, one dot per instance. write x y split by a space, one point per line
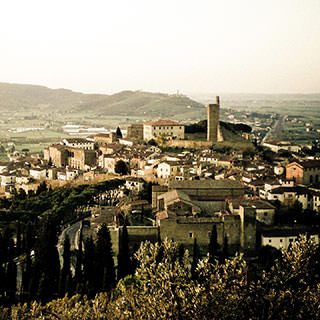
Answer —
311 179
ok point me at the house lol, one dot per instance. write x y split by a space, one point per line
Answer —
166 128
134 184
276 146
38 173
168 169
265 211
282 238
288 195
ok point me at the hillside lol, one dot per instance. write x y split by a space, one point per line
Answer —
19 97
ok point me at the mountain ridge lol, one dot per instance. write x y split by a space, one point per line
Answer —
17 97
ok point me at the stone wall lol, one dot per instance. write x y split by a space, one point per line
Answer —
135 131
185 230
189 144
136 235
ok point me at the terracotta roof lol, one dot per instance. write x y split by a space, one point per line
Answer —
163 123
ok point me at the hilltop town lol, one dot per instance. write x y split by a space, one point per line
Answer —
261 195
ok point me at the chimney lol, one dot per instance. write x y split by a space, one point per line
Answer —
217 100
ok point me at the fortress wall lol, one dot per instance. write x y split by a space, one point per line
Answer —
189 144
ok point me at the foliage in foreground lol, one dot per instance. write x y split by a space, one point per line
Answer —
163 288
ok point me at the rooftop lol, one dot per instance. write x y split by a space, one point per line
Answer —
205 184
163 123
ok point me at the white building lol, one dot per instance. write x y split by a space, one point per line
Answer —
281 239
166 128
79 143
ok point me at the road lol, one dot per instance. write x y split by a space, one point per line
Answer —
73 232
276 130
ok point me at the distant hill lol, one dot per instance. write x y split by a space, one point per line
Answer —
17 97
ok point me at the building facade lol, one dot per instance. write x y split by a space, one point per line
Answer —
165 128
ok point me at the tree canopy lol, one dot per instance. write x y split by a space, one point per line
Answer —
163 288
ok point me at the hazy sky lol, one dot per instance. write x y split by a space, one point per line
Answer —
218 46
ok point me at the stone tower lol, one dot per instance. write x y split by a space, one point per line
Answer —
213 121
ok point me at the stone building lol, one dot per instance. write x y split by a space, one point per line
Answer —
62 156
82 159
105 138
305 172
209 190
166 128
191 209
58 154
213 126
79 143
135 131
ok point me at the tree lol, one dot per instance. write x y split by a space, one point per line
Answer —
104 264
124 258
165 290
118 132
47 264
213 247
65 274
121 167
195 258
78 276
88 267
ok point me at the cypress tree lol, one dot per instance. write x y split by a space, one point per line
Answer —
104 261
11 279
225 251
88 267
78 278
118 132
65 274
47 260
213 244
26 275
195 258
19 240
124 259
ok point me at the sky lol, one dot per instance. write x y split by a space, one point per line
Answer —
203 46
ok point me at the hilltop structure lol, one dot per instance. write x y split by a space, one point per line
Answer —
213 126
166 128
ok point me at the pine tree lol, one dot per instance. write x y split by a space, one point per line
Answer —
124 259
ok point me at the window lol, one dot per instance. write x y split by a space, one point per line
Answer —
209 234
290 240
281 240
270 240
265 214
190 234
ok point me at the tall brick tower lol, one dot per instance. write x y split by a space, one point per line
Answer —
213 120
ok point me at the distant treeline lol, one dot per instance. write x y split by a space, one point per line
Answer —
201 127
